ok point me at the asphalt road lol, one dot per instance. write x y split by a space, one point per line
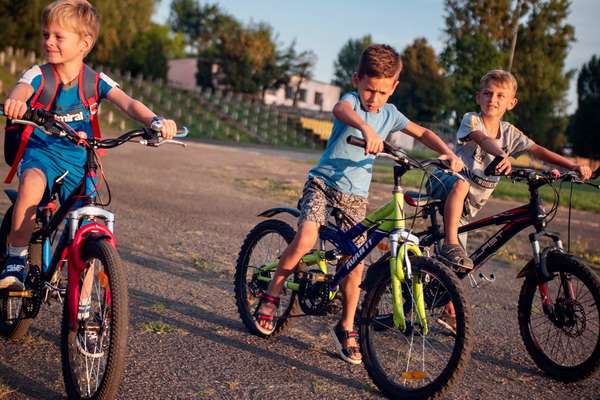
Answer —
181 217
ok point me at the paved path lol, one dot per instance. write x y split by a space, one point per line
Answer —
181 217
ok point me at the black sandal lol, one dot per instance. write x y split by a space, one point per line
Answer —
260 316
346 353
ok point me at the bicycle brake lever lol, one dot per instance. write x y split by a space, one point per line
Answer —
160 143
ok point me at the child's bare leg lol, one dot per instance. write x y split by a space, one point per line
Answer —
31 190
303 242
453 209
351 295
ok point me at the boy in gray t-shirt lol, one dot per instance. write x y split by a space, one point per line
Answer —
481 137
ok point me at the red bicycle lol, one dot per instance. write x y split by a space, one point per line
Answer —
95 313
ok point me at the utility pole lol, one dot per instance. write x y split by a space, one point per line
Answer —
515 33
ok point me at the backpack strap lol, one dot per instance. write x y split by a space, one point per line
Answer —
89 94
43 98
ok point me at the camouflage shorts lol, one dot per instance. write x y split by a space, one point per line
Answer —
318 200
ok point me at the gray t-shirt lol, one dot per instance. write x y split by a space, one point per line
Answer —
511 140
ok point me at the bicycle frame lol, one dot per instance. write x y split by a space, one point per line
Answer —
81 205
514 221
387 221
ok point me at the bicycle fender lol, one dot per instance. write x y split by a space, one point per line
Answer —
85 233
294 212
11 194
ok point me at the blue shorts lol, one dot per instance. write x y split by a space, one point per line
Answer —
52 169
439 186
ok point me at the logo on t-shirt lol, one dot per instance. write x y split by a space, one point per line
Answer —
70 117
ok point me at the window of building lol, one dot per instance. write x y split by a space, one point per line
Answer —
289 92
319 98
302 95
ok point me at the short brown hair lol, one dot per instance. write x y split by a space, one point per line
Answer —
500 76
78 15
379 61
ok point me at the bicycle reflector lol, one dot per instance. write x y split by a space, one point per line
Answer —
414 375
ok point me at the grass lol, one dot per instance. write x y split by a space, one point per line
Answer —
157 327
584 197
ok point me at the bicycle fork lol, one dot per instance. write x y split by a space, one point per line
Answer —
404 244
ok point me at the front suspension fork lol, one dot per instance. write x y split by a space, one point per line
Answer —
398 260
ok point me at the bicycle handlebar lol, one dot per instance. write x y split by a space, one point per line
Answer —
391 150
46 122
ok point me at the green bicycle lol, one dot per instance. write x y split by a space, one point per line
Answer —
406 350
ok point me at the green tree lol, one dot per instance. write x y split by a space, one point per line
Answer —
542 47
583 130
120 23
201 25
422 92
151 50
347 62
479 37
20 23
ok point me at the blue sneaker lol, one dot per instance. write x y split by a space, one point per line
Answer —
14 274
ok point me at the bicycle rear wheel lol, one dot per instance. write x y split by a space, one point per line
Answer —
263 244
93 355
411 364
13 324
564 340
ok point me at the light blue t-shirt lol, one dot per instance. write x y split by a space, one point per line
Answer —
345 167
69 107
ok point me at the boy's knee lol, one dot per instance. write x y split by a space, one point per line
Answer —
461 186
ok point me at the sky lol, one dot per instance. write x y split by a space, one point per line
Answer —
325 25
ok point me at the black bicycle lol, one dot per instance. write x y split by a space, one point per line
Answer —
559 302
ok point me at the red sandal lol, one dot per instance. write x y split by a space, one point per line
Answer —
260 316
346 352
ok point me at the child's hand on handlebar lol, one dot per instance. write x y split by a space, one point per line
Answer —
169 128
504 167
584 172
374 144
14 108
456 164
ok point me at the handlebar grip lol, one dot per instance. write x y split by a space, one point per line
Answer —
355 141
490 170
181 133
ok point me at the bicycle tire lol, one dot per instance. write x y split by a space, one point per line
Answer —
378 349
562 263
245 299
10 330
76 343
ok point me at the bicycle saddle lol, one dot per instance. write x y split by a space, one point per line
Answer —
417 199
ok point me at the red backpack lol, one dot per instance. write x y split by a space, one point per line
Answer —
16 136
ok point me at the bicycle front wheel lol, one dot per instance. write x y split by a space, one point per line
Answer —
93 355
563 339
414 364
263 244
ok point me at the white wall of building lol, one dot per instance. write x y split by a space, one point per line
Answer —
317 96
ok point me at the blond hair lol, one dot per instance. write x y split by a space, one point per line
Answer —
379 61
499 76
78 15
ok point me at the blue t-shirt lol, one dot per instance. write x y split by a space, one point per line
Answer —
345 167
70 109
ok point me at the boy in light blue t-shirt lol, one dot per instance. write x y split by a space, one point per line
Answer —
341 179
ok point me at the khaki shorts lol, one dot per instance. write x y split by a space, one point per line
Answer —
318 200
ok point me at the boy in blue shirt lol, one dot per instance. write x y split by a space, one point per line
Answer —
70 29
341 179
